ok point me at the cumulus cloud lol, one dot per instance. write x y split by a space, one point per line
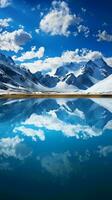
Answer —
104 36
48 64
52 63
5 22
33 53
5 3
13 41
59 19
80 55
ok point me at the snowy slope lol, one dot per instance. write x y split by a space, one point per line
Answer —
104 86
65 88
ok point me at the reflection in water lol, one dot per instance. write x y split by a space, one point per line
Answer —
55 148
57 164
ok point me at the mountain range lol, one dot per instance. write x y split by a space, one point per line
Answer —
91 77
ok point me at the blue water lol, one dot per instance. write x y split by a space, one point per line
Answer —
56 149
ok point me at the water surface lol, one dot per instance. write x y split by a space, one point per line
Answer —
56 149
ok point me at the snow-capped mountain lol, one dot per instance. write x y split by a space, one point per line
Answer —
102 87
86 75
13 77
46 80
75 68
90 73
72 77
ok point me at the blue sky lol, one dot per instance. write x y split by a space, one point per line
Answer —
32 31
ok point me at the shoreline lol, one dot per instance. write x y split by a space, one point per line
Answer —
54 95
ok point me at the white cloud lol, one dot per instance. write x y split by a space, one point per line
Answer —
104 36
14 147
37 30
48 64
33 53
12 41
5 22
5 3
83 29
41 14
29 132
70 130
8 146
59 19
80 55
51 64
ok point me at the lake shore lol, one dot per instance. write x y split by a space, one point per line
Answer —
53 95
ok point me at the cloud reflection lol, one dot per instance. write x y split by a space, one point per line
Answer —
26 125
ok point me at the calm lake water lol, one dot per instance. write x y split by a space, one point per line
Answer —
56 149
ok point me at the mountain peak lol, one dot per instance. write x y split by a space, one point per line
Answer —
70 79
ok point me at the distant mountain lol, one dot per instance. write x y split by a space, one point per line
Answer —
86 74
91 73
69 68
71 77
46 80
97 70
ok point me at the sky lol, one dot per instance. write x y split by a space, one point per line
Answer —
43 35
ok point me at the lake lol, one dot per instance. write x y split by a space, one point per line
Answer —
56 149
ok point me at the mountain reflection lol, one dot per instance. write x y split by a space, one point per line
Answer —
26 121
56 142
79 118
